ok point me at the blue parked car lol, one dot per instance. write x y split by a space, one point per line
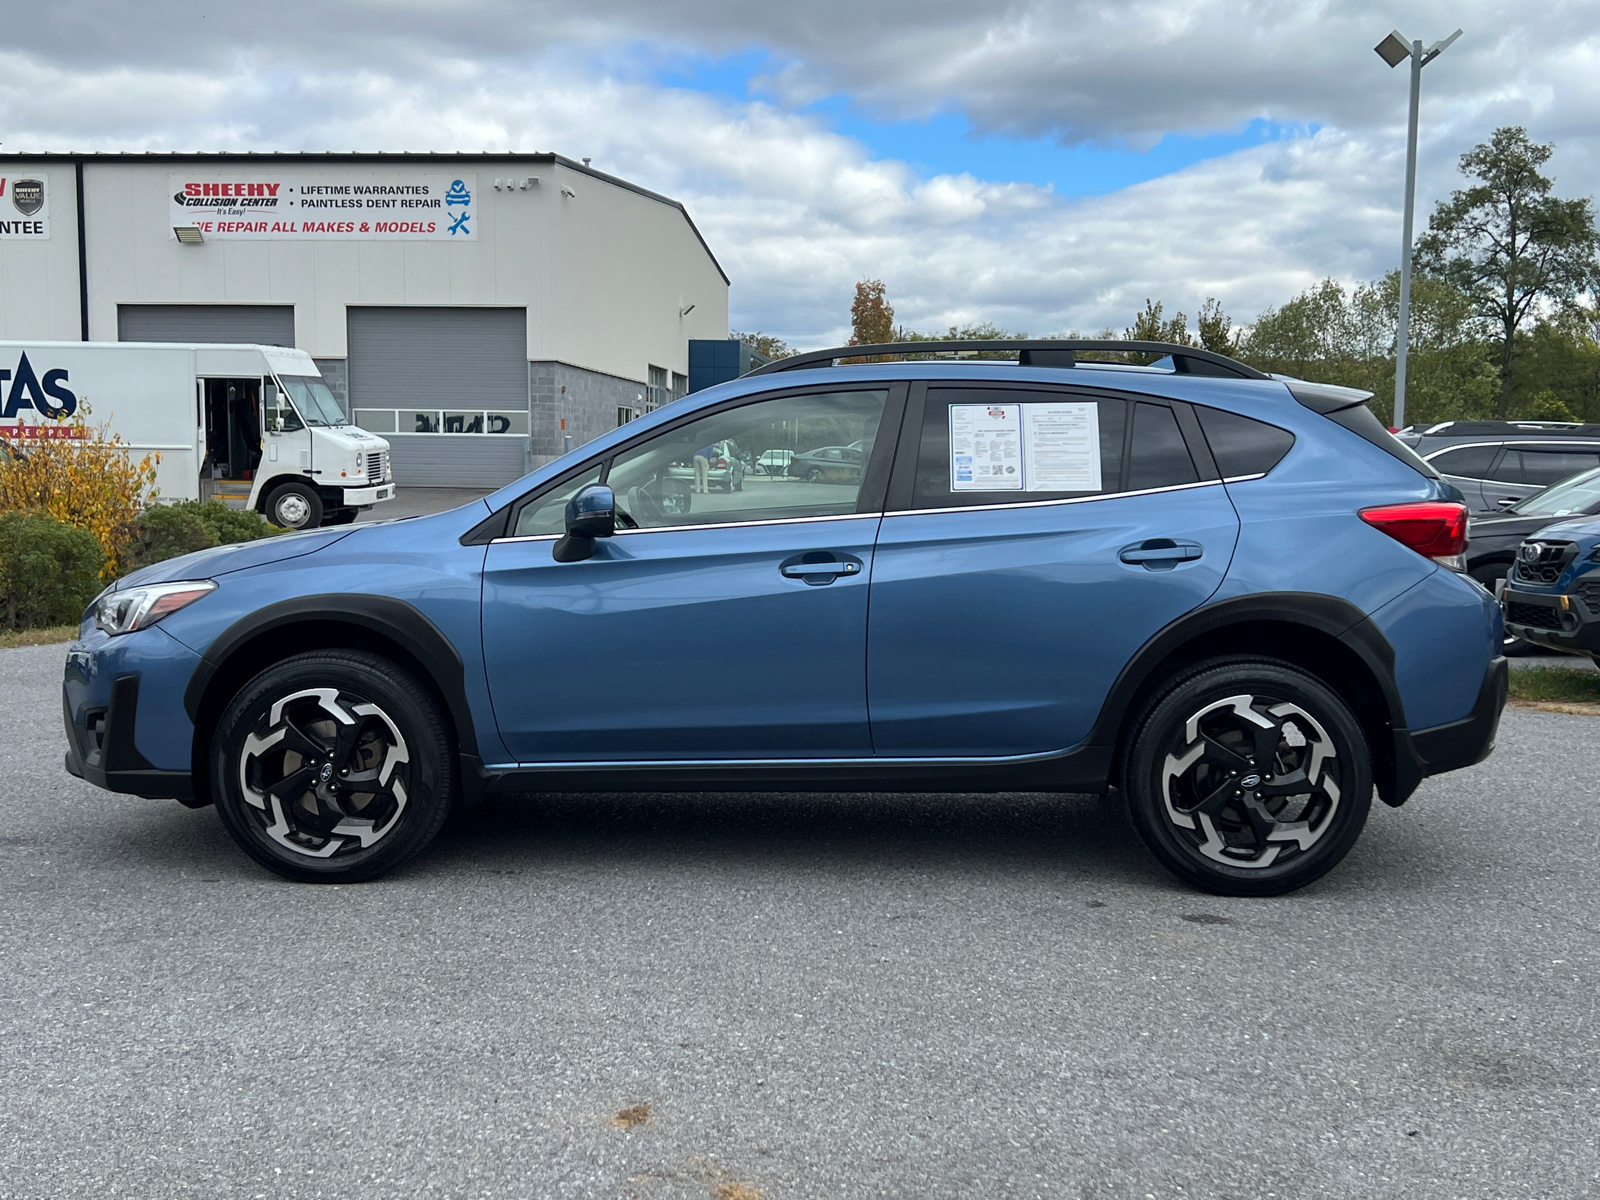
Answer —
1552 593
1234 599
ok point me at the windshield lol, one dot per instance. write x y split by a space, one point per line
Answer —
313 400
1570 497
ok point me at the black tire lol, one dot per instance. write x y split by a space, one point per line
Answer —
341 516
1488 574
1203 826
294 506
330 830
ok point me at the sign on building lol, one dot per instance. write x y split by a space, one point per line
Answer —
24 207
436 208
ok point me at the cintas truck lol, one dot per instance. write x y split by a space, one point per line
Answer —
254 422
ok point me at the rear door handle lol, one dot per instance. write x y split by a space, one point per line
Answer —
1160 554
814 568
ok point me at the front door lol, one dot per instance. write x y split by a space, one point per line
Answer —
286 442
233 426
725 625
1001 615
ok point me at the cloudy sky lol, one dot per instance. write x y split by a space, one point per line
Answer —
1046 165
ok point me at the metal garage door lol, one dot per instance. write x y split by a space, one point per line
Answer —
460 374
261 324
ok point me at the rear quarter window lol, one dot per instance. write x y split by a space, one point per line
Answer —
1465 462
1242 445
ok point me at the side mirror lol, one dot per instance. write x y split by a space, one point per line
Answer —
592 513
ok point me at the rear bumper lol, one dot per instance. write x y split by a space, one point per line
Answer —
1419 753
1553 620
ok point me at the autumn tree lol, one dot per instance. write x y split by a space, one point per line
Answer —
871 315
1509 244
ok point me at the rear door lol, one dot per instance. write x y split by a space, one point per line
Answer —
1467 467
1002 609
1530 467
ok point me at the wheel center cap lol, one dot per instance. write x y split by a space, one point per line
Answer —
1248 781
326 773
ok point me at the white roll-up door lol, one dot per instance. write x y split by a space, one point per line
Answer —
447 386
260 324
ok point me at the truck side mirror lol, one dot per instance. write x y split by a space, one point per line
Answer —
278 423
591 513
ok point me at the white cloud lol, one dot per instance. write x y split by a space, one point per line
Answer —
797 213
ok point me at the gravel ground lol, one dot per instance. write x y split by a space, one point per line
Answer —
906 996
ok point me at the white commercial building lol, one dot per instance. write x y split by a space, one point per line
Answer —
475 309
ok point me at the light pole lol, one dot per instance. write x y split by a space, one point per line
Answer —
1394 50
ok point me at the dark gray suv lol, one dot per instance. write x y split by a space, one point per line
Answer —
1497 463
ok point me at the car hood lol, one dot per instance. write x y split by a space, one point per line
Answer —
223 560
1504 527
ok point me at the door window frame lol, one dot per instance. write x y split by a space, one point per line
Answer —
902 481
870 498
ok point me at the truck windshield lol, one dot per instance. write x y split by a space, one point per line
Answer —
313 400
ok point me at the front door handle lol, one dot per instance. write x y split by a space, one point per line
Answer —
819 567
1160 554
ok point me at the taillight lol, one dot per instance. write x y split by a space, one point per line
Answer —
1435 528
722 464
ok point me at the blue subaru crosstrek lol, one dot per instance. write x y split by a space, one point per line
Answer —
1233 599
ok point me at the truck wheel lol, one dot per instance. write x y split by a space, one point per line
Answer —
295 506
1247 777
332 767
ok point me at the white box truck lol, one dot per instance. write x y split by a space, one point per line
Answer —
256 423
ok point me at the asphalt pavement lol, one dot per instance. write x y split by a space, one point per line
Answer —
840 996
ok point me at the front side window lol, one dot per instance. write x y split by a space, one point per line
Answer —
280 414
703 472
983 446
547 514
315 402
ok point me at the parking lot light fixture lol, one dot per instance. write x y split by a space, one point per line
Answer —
1394 50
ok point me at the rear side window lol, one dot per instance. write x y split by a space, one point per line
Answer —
1159 457
1241 445
1014 445
1544 467
1465 462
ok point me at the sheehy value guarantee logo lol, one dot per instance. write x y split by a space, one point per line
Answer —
24 207
439 208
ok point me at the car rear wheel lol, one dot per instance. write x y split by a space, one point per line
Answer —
295 506
332 767
1248 777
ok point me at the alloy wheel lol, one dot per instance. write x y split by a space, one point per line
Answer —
1251 781
326 771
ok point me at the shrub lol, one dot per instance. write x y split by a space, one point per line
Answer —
87 480
49 571
165 531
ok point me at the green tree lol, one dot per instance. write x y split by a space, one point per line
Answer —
871 315
1509 244
1215 328
768 344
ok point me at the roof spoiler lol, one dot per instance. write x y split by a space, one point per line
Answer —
1323 398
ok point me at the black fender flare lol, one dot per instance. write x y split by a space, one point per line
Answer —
389 618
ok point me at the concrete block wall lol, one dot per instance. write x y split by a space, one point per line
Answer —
588 400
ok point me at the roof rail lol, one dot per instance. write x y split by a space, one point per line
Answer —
1048 352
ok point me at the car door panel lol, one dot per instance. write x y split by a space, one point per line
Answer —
1001 631
683 643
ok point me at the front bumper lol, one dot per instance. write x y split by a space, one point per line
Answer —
102 751
1554 620
1419 753
357 497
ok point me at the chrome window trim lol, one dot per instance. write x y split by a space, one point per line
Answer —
551 537
1009 504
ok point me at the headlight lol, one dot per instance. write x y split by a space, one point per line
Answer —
141 607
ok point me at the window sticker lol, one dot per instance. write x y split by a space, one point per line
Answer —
1025 447
985 447
1061 447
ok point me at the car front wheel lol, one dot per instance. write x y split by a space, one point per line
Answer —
332 767
1248 777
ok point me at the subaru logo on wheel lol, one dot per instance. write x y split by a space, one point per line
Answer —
326 773
1250 781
